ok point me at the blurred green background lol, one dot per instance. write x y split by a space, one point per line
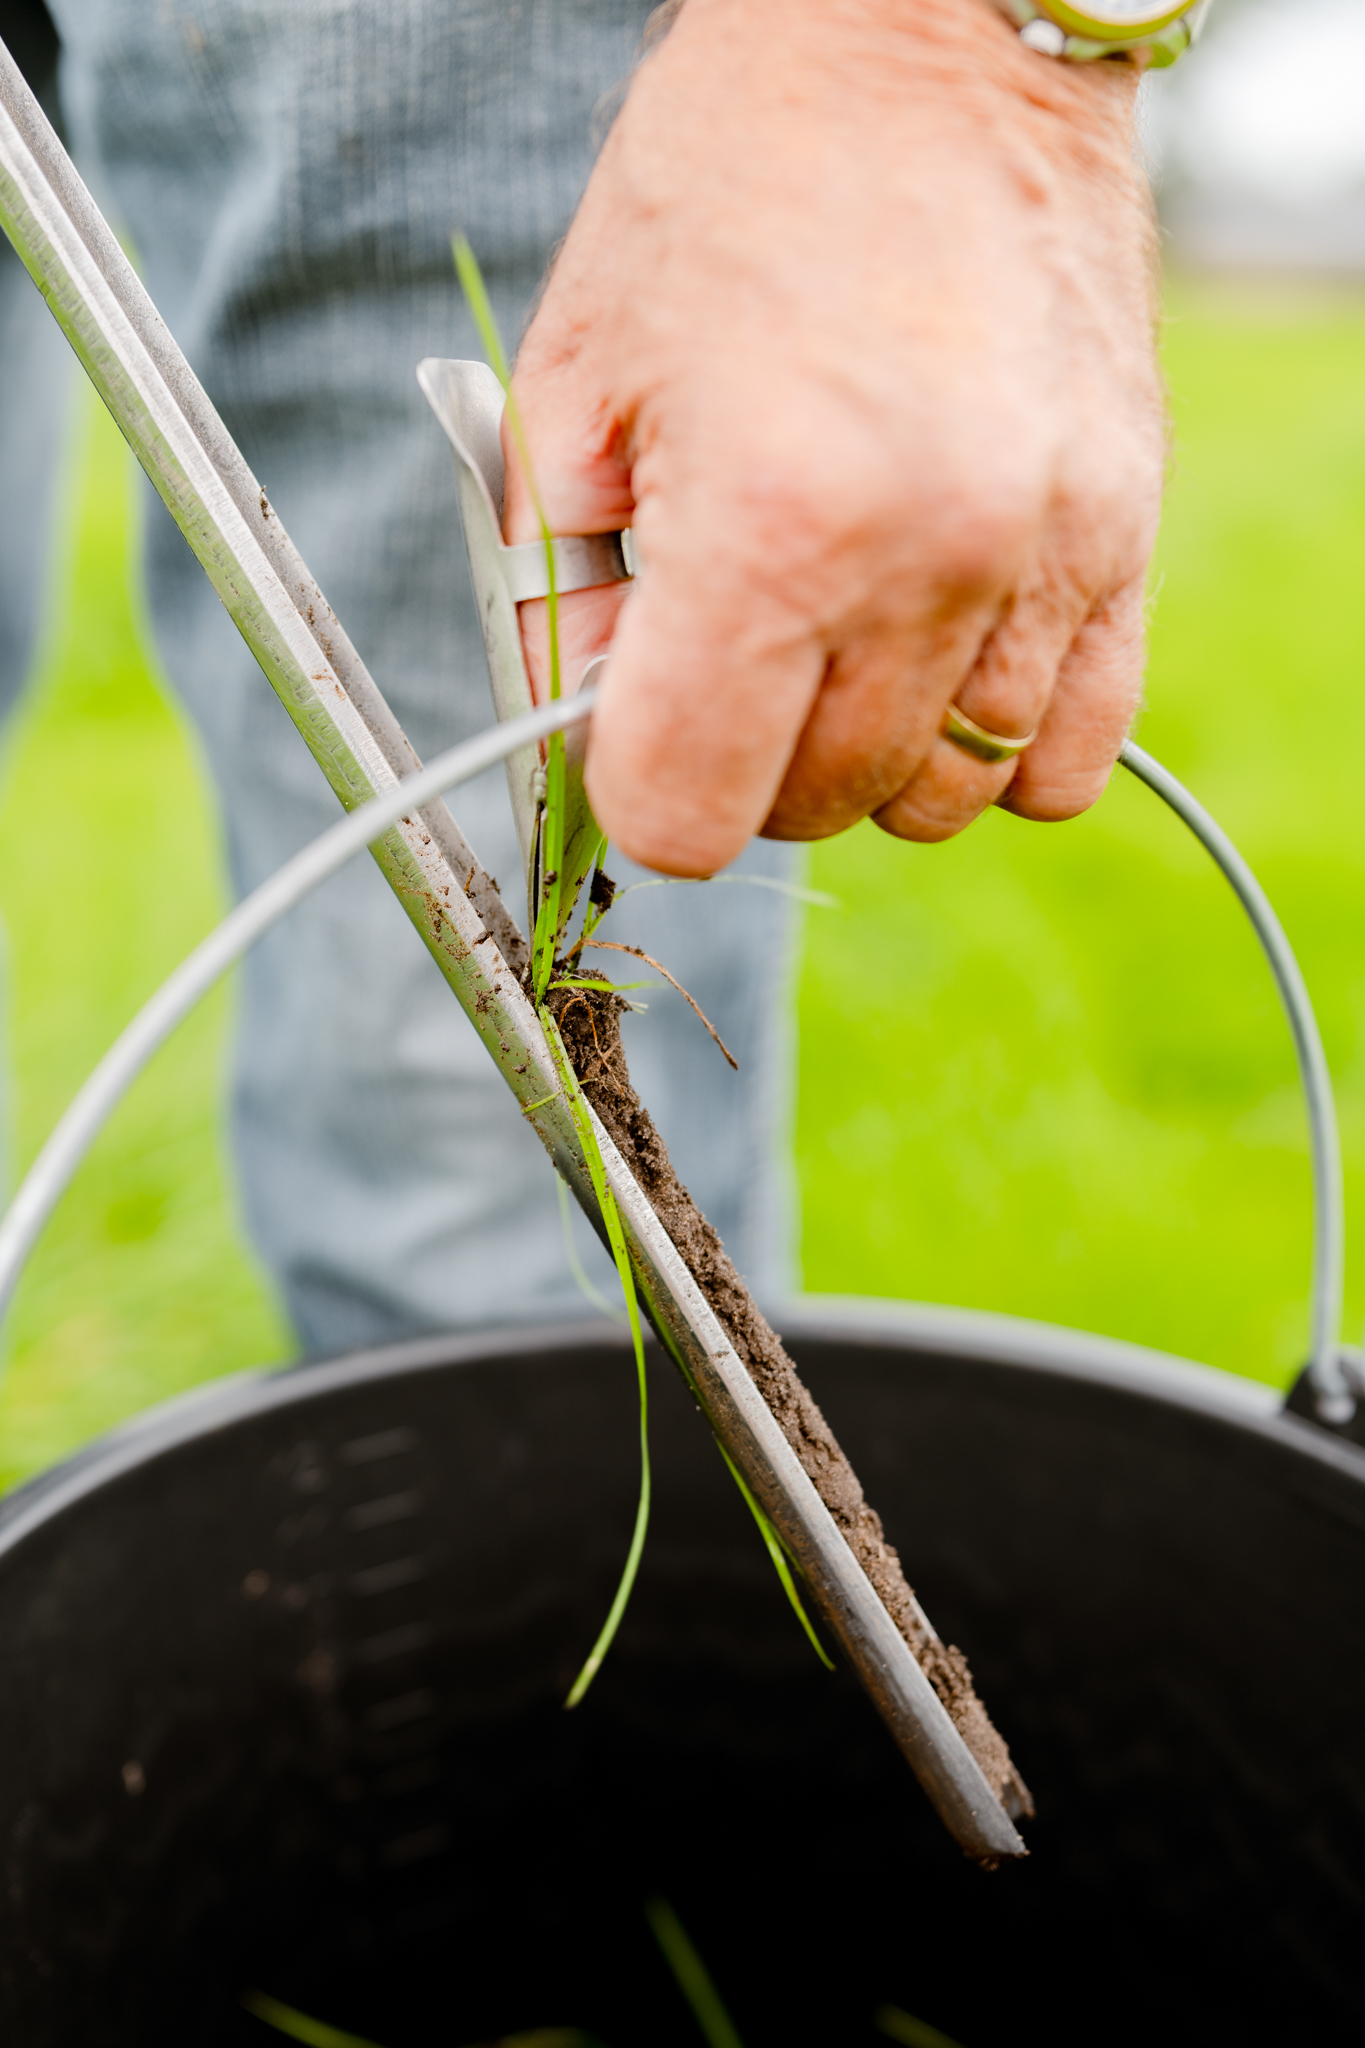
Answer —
1042 1069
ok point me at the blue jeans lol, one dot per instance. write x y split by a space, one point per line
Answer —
290 173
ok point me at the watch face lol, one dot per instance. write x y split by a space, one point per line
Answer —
1128 17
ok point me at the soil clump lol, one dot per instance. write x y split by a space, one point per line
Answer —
590 1025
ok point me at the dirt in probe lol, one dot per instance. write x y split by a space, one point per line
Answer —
590 1025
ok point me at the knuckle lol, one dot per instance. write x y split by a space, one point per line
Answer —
978 523
782 515
834 535
982 539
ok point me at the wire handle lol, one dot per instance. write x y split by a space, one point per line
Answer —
1334 1396
51 1173
99 1095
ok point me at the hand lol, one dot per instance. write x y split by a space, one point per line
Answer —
856 326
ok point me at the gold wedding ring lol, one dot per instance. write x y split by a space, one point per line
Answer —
974 739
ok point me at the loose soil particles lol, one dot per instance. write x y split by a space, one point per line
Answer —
590 1025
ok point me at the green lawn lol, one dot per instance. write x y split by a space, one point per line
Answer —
141 1285
1068 1090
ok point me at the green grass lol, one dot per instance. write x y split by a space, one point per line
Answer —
110 870
1069 1092
1065 1089
691 1975
301 2026
903 2026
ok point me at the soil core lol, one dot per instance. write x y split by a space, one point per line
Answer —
590 1025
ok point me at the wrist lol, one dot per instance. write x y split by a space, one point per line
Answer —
920 96
954 61
1147 33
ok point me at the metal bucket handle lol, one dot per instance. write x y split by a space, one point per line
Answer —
1331 1378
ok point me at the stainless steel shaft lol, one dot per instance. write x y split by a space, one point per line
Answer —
224 515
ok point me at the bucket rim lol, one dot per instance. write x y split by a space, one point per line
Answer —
976 1336
983 1335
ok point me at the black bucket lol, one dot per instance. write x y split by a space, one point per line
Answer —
284 1665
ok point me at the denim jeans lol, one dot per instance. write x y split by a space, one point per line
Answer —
290 173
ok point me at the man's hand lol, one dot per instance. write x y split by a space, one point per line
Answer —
856 326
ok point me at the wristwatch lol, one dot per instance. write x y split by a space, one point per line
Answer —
1134 29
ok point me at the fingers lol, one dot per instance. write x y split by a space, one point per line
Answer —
709 684
1006 691
786 657
874 721
585 622
701 707
1099 685
581 484
715 659
1087 711
787 653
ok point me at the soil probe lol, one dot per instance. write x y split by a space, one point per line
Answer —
225 516
173 429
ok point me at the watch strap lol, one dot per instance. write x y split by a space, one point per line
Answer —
1077 38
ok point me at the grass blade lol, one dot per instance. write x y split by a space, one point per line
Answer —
778 1556
692 1976
606 1202
582 1279
549 911
544 2037
298 2025
903 2026
546 936
819 899
481 306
